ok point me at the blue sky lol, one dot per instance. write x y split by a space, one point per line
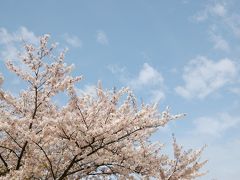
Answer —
182 53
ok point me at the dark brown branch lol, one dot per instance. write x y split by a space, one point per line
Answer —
21 155
65 134
4 162
49 161
11 150
35 103
30 127
12 138
68 168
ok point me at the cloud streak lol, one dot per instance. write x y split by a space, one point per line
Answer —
148 81
215 126
102 38
222 15
219 43
216 10
147 76
88 90
203 76
72 40
11 41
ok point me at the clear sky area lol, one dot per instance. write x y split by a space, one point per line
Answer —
184 54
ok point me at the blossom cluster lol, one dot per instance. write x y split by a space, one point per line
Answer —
96 137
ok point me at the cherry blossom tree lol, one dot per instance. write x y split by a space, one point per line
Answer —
92 137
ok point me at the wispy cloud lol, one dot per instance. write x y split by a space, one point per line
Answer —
233 22
102 38
114 68
203 76
219 16
215 126
200 16
72 40
22 34
219 43
10 41
216 9
147 76
221 13
222 149
9 52
119 71
149 81
88 90
235 90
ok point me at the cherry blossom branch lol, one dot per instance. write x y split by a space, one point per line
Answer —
4 162
48 159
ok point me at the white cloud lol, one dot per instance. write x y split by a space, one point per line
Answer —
120 71
147 76
222 153
114 68
219 42
203 76
157 94
150 80
10 41
24 34
21 34
235 90
200 16
225 156
233 22
221 13
9 51
102 38
88 90
72 40
5 37
217 10
215 126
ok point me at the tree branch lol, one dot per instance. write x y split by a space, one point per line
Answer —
11 150
12 138
49 161
68 168
4 162
21 155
